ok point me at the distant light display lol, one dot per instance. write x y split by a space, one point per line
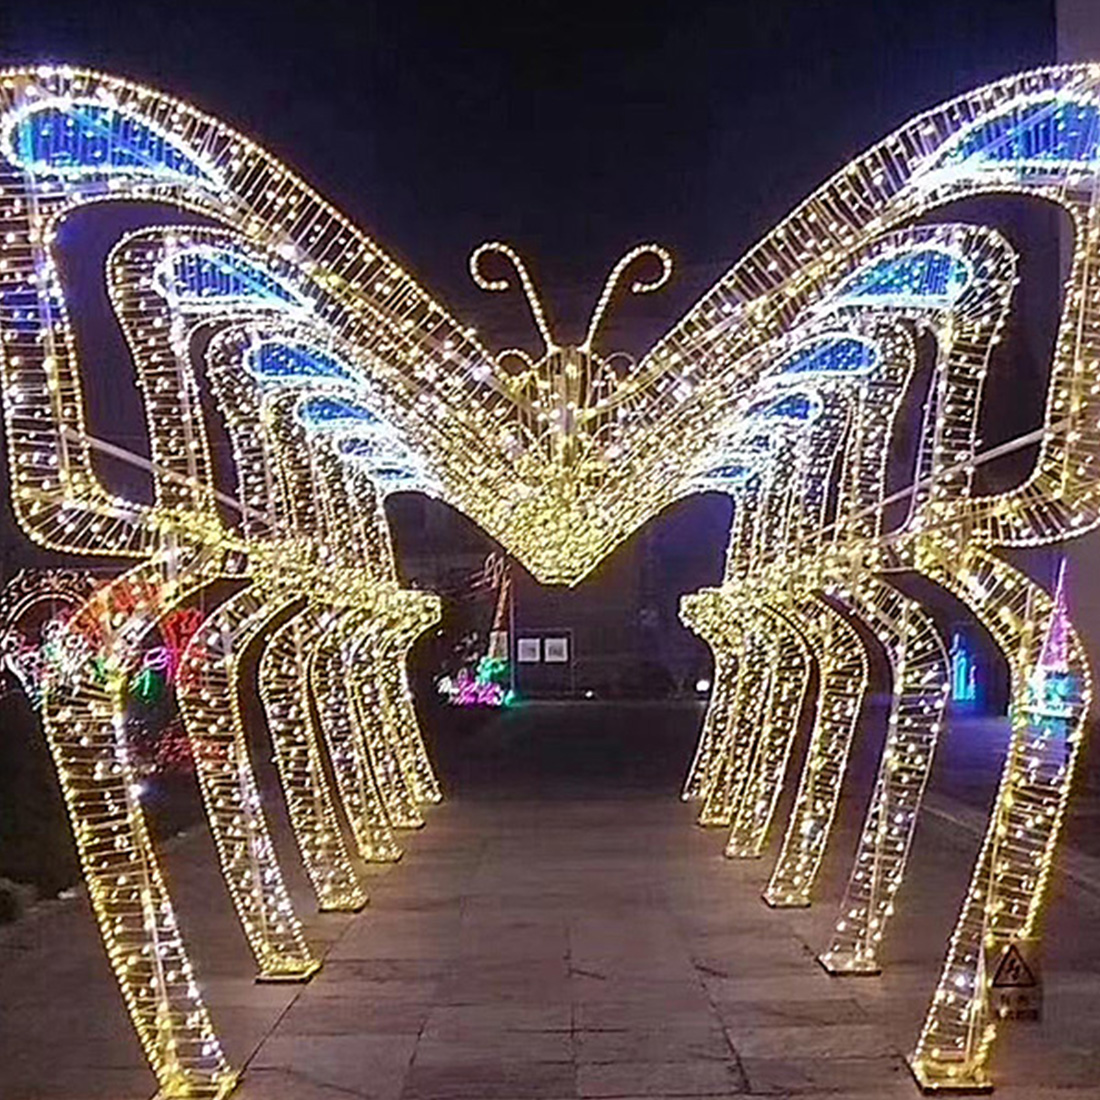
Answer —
964 671
488 682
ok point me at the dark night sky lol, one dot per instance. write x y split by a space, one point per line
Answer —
571 130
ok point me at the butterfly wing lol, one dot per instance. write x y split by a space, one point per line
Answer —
70 138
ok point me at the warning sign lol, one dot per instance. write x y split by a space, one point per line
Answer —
1016 991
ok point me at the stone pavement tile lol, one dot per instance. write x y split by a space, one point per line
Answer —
423 901
393 969
384 917
52 1083
824 1012
653 927
628 1015
792 1074
285 1084
749 960
490 1081
360 1064
682 993
245 991
1076 1068
812 982
495 1046
377 939
744 928
666 1044
106 1038
511 939
660 1079
813 1041
340 1016
632 964
490 966
242 1028
1008 1091
520 987
461 1021
351 979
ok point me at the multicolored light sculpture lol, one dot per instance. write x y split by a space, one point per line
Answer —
340 380
485 684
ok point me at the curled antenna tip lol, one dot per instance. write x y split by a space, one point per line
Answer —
475 265
644 286
639 286
528 287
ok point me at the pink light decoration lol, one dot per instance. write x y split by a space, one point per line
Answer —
470 692
1055 652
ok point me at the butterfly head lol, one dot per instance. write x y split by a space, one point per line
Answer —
569 401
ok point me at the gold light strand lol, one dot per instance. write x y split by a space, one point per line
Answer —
297 744
209 701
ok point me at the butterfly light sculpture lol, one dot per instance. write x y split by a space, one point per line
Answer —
339 379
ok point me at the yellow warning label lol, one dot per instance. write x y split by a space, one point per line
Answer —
1012 972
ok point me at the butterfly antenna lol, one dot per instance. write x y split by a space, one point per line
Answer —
537 312
640 286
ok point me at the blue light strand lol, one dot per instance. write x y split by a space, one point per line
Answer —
1053 131
331 413
275 361
791 406
200 275
831 355
389 464
926 273
95 138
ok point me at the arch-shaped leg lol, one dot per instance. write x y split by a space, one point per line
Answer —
379 677
296 740
736 648
842 683
85 728
359 781
209 702
715 723
743 646
746 715
921 676
1051 686
789 678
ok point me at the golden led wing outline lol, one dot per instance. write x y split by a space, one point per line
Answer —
339 379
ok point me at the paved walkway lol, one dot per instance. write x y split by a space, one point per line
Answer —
555 937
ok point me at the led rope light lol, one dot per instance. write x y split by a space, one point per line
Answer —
549 459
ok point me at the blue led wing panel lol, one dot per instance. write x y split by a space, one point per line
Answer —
1049 132
394 475
364 447
726 476
216 277
276 361
334 413
388 464
93 139
790 407
925 276
831 355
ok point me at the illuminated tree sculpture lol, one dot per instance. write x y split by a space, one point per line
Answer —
339 380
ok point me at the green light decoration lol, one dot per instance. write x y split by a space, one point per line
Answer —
147 686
